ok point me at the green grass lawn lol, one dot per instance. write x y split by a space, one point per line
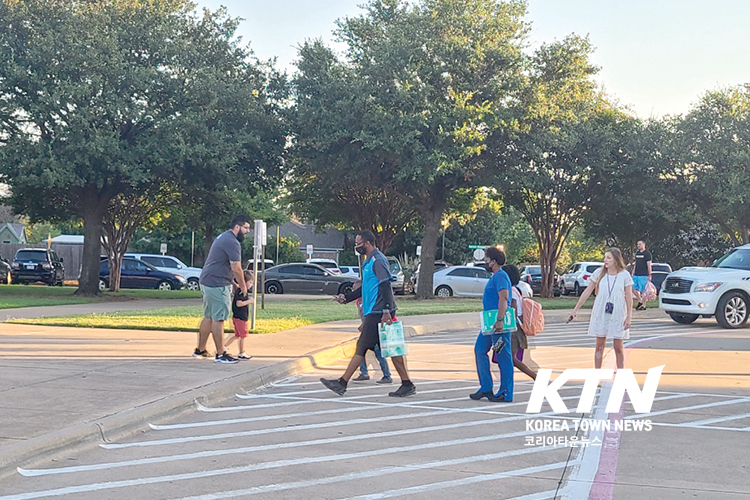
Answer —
12 296
277 316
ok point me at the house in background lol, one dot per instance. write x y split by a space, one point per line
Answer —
11 232
327 244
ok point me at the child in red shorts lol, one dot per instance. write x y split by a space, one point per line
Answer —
240 315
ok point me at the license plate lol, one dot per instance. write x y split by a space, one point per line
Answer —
30 266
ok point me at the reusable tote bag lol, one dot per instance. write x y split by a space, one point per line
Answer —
488 319
392 339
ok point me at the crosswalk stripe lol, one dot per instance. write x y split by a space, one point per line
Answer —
685 408
716 420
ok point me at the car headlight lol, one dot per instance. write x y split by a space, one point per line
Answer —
707 287
181 279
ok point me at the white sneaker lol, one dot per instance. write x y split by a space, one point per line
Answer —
242 355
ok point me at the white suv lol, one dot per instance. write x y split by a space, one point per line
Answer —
722 290
171 265
576 278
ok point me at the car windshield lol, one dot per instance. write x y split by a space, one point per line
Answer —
31 256
593 268
739 258
533 270
395 266
660 268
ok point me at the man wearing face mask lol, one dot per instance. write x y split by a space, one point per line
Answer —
497 296
378 306
223 263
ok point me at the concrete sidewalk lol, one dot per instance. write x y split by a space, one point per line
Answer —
65 388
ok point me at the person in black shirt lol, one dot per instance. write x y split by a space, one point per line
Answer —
240 315
641 274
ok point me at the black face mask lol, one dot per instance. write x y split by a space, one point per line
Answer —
360 249
240 236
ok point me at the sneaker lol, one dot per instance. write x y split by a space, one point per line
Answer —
641 307
500 398
242 355
403 391
481 394
201 354
385 380
225 358
361 377
335 385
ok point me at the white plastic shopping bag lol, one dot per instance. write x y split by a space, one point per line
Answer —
392 341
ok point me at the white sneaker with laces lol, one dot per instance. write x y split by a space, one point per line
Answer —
242 355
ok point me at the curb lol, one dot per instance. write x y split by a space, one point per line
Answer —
121 425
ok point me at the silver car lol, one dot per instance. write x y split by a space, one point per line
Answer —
460 281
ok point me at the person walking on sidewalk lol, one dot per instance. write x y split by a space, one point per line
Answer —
223 263
240 316
363 372
378 306
497 296
641 274
613 306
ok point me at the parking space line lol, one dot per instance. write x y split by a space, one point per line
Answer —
699 423
693 407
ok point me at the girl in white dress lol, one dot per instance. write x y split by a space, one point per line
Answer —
613 306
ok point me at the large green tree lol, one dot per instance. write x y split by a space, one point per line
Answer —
101 97
714 171
569 134
422 86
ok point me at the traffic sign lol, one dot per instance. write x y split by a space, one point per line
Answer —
478 254
474 247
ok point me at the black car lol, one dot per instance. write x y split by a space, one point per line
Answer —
533 276
306 278
37 264
135 273
659 272
4 271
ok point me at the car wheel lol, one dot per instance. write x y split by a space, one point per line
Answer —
684 319
193 284
164 285
274 287
103 285
732 310
346 288
444 291
576 290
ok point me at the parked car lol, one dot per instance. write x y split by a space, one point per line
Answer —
135 273
659 272
397 271
250 265
439 264
460 281
37 264
306 278
5 276
722 291
350 271
576 278
329 264
532 275
170 264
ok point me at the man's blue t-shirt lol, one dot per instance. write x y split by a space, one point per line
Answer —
498 281
375 271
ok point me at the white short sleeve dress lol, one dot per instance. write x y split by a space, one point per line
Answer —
611 289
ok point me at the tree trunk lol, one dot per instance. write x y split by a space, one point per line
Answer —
432 217
93 209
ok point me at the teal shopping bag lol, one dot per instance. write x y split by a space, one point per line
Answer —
488 319
392 341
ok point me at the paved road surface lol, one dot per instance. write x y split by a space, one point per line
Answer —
297 440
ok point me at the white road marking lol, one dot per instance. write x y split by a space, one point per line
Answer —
260 489
275 463
685 408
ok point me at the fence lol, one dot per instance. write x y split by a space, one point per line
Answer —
72 255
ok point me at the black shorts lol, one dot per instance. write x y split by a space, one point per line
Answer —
369 337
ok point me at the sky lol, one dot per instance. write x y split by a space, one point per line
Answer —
656 57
